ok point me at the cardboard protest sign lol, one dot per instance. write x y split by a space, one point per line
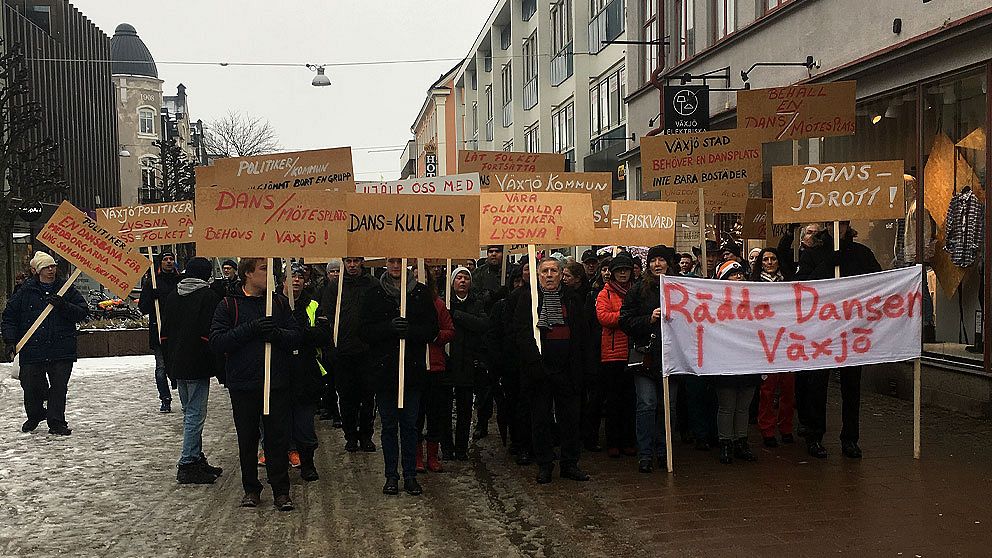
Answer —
152 224
324 169
454 185
723 158
427 226
94 250
838 192
535 218
638 223
265 224
781 327
489 163
756 218
798 111
597 184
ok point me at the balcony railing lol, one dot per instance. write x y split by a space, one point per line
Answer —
508 115
489 130
530 93
613 137
562 66
606 26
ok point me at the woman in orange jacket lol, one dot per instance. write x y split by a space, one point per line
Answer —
433 402
619 382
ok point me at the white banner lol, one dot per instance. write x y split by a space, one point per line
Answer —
734 327
453 185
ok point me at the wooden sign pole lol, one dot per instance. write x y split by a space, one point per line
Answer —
46 311
287 282
402 366
502 270
447 284
702 232
337 301
270 285
917 388
668 422
422 274
158 307
532 267
837 247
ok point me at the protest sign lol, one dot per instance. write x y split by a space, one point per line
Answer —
489 163
718 198
454 185
756 219
324 169
152 224
723 158
781 327
838 192
637 223
798 111
93 249
275 223
597 184
427 226
535 218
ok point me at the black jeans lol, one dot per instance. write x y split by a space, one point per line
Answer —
329 395
593 403
432 406
620 403
816 403
485 398
303 435
461 398
517 404
247 409
555 396
357 398
46 380
399 432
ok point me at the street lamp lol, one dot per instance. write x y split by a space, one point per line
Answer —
319 80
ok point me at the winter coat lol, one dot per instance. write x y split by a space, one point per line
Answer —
635 319
226 287
308 374
55 338
613 346
350 341
165 284
532 364
378 308
244 353
818 262
486 284
595 329
499 345
468 349
446 332
187 314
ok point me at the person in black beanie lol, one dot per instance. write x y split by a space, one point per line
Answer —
166 279
228 284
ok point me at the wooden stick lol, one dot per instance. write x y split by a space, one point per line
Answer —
668 422
502 270
158 308
402 367
287 282
422 274
917 388
532 267
447 284
702 232
837 247
270 285
45 312
337 301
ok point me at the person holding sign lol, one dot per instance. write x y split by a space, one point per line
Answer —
613 357
46 359
383 325
552 375
820 262
240 331
166 279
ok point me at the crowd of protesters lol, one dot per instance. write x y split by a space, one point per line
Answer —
577 370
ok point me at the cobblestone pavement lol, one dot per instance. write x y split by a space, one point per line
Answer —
110 490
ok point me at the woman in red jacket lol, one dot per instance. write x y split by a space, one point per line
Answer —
433 402
619 382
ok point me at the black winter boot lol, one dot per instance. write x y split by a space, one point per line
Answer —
308 471
544 471
215 471
193 473
743 451
726 452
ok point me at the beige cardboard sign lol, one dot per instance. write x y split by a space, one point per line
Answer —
718 199
152 224
266 224
488 163
535 218
427 226
453 185
723 158
323 169
756 218
838 192
598 184
638 223
798 111
94 250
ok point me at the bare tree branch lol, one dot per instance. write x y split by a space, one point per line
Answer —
240 135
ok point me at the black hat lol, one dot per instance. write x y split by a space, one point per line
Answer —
167 253
589 256
199 268
231 263
621 261
732 247
661 251
712 247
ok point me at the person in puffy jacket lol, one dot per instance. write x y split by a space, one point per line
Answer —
435 409
240 331
613 358
46 360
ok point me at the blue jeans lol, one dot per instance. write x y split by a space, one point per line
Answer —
399 432
161 380
649 424
193 394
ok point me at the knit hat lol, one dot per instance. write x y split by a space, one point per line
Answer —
726 269
333 265
661 251
41 260
589 256
457 270
231 263
168 253
622 261
200 268
732 247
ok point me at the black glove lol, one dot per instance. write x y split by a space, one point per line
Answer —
55 300
273 336
9 348
835 258
262 327
400 326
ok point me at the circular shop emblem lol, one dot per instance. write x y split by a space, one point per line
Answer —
685 102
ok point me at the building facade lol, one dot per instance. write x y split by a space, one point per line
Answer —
923 71
434 130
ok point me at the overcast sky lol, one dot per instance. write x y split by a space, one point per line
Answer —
365 106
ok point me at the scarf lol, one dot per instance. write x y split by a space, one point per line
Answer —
620 289
391 285
551 314
190 285
772 277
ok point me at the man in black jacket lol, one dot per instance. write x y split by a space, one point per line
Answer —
486 279
819 261
552 375
46 360
350 361
186 317
239 331
382 328
228 284
166 279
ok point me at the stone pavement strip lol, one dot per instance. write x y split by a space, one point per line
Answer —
110 490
